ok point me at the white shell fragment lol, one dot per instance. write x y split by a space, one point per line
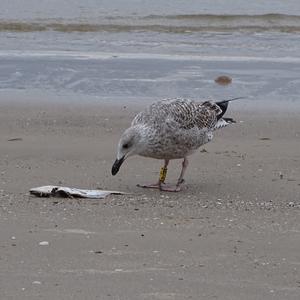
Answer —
67 192
44 243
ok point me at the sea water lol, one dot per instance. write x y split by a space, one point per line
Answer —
145 50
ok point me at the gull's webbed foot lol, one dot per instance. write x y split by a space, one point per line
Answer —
163 187
162 176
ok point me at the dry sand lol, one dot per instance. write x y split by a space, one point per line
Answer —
233 233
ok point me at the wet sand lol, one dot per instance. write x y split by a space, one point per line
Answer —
232 233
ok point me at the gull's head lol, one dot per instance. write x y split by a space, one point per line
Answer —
130 144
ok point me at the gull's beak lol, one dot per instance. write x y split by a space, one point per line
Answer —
116 166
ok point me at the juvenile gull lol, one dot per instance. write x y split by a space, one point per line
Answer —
171 129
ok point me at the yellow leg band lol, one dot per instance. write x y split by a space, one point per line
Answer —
163 174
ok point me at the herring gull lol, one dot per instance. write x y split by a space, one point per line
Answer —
171 129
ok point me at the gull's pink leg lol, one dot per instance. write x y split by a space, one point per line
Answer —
185 164
161 181
180 181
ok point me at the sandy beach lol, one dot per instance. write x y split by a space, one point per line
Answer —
232 233
73 74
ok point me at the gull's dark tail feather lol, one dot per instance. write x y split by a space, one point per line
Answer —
224 104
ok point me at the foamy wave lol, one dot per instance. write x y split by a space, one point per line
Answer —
169 23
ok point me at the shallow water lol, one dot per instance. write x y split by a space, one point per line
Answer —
147 49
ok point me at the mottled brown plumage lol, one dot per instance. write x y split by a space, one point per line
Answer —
186 113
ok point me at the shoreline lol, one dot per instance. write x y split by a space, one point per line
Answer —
41 99
96 55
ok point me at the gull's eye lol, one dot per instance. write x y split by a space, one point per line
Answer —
125 146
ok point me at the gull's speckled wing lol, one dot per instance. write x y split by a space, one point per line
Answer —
187 114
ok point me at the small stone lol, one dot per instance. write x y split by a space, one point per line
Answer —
223 80
36 282
15 139
265 139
